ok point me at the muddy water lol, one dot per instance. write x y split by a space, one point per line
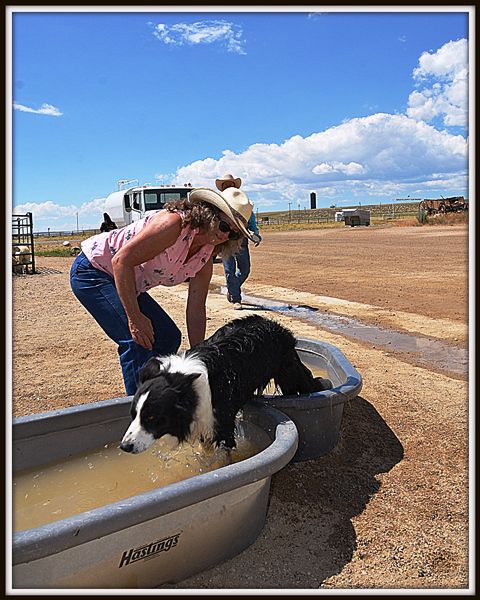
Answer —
107 474
426 351
316 371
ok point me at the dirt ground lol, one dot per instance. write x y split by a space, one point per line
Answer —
388 507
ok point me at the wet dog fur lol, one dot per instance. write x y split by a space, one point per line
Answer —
197 395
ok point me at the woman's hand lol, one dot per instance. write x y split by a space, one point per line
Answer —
142 331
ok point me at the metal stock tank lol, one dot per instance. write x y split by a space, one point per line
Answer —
156 537
318 416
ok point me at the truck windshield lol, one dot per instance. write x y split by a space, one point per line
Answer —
155 199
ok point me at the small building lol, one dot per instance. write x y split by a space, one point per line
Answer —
356 216
338 216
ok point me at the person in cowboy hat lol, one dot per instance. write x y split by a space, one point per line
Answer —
237 267
226 181
113 273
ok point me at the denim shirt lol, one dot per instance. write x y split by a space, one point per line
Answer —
252 224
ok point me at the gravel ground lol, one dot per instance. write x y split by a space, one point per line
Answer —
388 507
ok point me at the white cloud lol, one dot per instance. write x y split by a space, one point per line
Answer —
381 154
58 217
202 32
444 77
45 109
446 62
352 168
379 157
50 208
161 178
43 209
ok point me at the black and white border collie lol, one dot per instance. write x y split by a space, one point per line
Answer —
196 395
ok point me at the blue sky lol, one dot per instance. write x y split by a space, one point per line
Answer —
359 107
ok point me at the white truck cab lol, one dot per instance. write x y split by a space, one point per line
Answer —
130 204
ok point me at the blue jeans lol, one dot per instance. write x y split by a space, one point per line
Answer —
237 269
97 292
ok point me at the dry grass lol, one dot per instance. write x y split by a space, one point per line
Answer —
299 226
448 219
445 219
407 222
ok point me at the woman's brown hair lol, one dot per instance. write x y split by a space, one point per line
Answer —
202 215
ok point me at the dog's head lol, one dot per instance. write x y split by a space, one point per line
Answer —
163 406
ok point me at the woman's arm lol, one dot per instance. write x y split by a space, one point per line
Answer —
196 304
160 233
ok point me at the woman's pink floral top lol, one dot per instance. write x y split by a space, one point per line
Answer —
168 268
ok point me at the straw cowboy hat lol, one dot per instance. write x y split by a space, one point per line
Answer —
228 177
233 202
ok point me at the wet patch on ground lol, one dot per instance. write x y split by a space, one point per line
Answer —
424 351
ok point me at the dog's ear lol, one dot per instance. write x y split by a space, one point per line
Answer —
150 370
186 381
192 376
184 400
189 379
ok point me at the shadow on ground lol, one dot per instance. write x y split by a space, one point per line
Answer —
309 535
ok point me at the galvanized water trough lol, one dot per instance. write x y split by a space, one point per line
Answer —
318 416
175 531
153 538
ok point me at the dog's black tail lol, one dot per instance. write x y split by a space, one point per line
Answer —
295 378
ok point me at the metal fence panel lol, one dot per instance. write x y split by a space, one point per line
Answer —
23 251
